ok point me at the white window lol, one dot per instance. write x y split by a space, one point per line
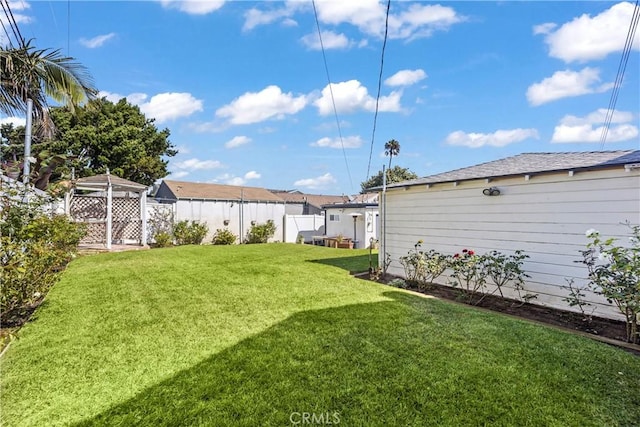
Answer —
334 217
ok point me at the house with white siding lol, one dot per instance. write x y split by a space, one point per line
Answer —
541 203
232 207
357 220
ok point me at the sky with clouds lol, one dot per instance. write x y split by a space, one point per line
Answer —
245 90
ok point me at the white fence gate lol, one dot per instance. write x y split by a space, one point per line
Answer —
306 226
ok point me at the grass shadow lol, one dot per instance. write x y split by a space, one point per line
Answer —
353 264
407 361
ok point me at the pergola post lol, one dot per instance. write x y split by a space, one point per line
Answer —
143 217
109 214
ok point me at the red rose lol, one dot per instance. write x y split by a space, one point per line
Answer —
456 255
471 252
464 251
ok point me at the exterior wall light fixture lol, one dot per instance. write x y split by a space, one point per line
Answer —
492 191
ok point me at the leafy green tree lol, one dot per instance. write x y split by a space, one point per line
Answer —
99 136
39 74
395 174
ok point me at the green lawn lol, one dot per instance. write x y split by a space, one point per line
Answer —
249 335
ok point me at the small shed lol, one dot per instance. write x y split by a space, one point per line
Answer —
541 203
219 206
113 208
356 220
299 203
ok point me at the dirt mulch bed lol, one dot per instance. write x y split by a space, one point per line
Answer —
606 330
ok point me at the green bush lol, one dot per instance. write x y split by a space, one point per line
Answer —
189 233
261 233
614 273
163 239
224 237
35 247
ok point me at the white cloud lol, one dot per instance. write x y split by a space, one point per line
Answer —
193 7
411 22
330 40
318 183
587 38
255 107
256 17
169 106
238 180
565 84
237 141
16 121
499 138
179 174
252 175
406 78
368 16
544 28
351 96
197 164
162 107
97 41
347 142
586 129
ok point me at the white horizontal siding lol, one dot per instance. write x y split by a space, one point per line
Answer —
545 216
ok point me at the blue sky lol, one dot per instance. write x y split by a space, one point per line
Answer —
243 88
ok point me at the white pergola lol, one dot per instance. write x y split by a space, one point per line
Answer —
110 183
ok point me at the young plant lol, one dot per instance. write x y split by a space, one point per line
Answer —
503 269
224 237
469 273
614 272
189 233
576 298
261 233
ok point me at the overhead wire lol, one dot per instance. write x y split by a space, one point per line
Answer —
14 25
633 25
333 101
11 22
375 116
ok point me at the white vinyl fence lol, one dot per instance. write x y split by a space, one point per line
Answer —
304 225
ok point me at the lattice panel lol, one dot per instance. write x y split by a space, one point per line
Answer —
88 207
92 210
126 219
96 233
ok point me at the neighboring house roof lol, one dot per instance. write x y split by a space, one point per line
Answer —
317 200
531 163
370 198
101 182
194 190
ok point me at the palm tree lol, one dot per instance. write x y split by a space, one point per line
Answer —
391 148
38 74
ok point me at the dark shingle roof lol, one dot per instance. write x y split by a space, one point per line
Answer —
313 199
531 163
197 190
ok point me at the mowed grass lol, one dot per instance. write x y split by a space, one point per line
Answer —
249 335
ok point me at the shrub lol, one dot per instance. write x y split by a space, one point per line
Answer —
163 239
160 222
189 233
422 268
469 273
261 233
504 269
224 237
35 246
614 273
